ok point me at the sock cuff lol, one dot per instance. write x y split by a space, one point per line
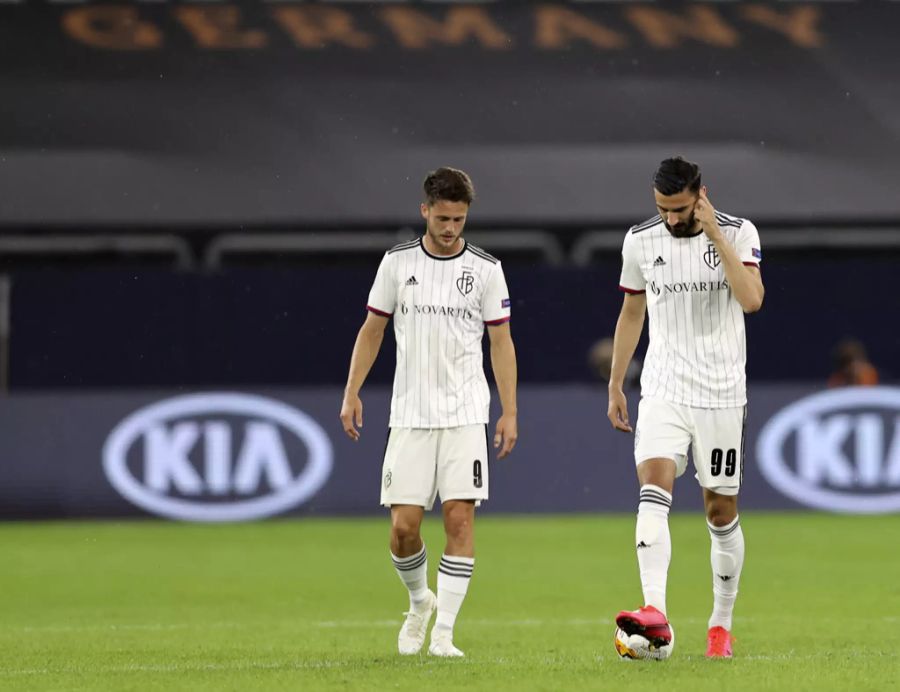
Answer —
724 531
405 564
654 495
456 566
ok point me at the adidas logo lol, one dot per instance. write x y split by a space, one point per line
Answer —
642 545
411 281
724 577
659 262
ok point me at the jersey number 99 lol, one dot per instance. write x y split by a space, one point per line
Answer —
730 459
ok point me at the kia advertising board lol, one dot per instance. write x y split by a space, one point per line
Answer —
837 450
164 435
235 456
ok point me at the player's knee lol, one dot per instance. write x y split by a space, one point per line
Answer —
659 472
405 530
458 523
721 512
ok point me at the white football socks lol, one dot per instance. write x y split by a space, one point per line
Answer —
413 572
727 559
453 578
654 543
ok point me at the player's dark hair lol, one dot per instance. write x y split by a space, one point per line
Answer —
676 174
448 185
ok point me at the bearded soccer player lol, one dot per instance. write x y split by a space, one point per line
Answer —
695 272
441 292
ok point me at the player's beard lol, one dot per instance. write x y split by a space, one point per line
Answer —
438 238
683 229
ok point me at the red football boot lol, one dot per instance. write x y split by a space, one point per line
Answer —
718 643
648 622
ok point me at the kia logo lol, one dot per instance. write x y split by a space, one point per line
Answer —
217 457
837 450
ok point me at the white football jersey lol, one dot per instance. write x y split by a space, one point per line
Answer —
698 350
440 306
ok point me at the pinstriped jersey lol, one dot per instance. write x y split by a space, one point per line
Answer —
697 352
440 306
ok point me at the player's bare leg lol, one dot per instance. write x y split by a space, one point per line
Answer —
454 573
411 562
727 559
406 522
654 551
658 472
459 525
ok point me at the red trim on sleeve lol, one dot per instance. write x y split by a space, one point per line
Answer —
377 311
751 264
632 291
494 323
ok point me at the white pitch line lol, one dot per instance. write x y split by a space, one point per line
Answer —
326 664
178 667
146 626
481 622
337 624
376 624
576 622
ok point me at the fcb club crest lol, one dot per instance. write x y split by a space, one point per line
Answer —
711 257
465 283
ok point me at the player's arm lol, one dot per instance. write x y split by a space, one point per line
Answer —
628 333
365 350
745 281
503 363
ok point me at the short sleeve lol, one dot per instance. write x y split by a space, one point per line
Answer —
747 244
495 308
383 295
632 278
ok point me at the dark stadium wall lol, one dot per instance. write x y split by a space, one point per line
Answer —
250 113
280 327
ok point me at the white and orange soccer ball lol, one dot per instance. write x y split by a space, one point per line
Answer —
638 647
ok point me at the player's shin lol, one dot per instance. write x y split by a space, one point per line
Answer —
727 559
454 574
654 544
413 572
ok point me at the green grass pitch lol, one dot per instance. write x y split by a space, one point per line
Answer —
315 605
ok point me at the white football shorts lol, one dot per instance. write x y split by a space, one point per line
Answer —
420 463
716 436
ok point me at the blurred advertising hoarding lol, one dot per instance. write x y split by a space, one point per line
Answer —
233 456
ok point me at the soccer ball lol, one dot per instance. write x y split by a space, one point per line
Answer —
637 646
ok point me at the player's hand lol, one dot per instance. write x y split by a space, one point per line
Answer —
506 435
617 412
705 214
351 411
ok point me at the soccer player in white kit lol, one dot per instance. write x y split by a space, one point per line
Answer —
695 271
441 292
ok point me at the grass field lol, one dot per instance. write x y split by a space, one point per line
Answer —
309 605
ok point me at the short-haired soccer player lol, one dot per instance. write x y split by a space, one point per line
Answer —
695 272
441 292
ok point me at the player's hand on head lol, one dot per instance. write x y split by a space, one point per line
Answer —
704 212
617 411
351 412
506 435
